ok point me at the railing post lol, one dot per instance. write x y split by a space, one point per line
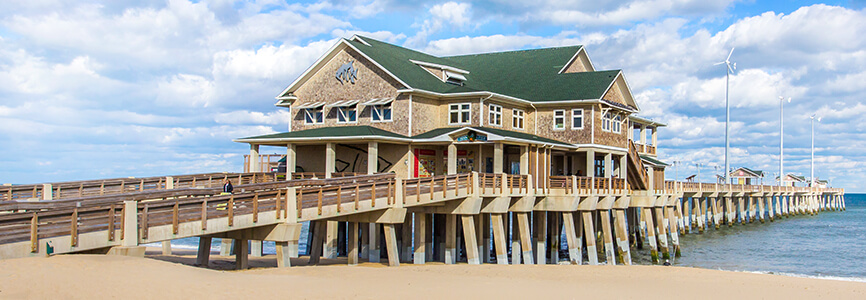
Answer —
46 192
475 188
398 193
130 223
169 182
292 208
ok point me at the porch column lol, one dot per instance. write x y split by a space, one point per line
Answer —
330 159
643 134
565 164
291 160
452 159
655 135
254 159
590 163
524 160
623 167
608 165
372 157
497 157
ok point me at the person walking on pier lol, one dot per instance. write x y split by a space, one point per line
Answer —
227 187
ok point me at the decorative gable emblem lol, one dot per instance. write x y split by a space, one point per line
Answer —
472 136
347 73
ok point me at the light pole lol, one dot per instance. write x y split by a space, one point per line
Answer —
782 138
812 121
730 69
698 166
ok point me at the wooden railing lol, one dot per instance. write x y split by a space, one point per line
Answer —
321 175
78 189
692 187
430 188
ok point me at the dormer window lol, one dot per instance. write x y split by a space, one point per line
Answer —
454 78
445 73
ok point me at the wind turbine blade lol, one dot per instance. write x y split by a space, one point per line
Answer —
718 63
729 54
731 70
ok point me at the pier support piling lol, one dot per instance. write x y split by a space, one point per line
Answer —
391 245
420 241
202 257
621 225
589 233
353 232
575 253
498 223
650 234
608 237
470 240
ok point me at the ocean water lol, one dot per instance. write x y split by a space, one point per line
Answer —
829 245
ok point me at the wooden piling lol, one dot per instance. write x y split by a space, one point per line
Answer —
607 237
589 233
391 245
650 234
498 223
420 241
470 240
624 252
353 233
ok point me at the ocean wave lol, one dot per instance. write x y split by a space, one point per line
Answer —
826 277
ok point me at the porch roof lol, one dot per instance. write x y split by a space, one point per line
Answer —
325 133
652 161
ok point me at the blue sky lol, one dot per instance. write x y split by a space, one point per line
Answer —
92 89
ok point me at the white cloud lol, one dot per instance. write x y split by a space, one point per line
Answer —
185 90
453 13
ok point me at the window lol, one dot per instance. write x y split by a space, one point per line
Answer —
517 119
495 115
381 113
313 115
559 119
605 121
617 124
577 118
459 113
347 114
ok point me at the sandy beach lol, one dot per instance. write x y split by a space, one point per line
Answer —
171 277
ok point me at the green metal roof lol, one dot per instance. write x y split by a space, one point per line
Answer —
653 161
531 75
329 132
506 133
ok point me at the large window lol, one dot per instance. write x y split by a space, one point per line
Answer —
517 119
459 113
380 113
347 114
495 115
559 119
605 121
577 118
313 115
617 124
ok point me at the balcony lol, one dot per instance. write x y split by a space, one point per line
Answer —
645 149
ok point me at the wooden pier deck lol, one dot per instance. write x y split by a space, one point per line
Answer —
453 216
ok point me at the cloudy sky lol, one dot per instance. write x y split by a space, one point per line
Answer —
154 87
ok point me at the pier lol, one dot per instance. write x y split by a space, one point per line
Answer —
479 217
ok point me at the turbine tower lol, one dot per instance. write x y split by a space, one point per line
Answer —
728 72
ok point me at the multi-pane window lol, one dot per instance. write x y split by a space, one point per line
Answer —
347 114
605 121
313 115
577 118
617 124
380 113
459 113
495 115
559 119
517 119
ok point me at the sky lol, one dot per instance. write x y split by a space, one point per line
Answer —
93 89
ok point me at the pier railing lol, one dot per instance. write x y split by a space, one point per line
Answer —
701 187
78 189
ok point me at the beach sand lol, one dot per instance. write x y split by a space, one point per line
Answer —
171 277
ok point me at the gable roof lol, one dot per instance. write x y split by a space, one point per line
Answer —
508 134
530 75
749 172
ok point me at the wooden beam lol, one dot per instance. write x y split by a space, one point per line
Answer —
391 245
470 240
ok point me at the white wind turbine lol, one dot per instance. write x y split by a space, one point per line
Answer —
729 71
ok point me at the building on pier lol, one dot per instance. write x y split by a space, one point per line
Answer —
743 175
370 107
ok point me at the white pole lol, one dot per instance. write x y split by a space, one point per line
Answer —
781 140
727 121
812 174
